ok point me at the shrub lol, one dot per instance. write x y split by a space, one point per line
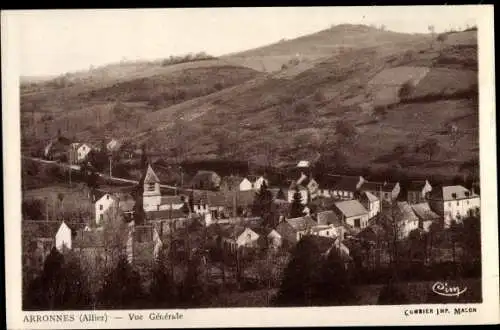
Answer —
405 89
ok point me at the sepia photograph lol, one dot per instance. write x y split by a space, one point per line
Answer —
250 157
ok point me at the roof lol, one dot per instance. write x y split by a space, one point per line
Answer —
406 211
151 176
328 218
171 200
165 214
449 193
113 145
424 212
302 223
416 185
351 208
88 239
371 197
346 183
303 163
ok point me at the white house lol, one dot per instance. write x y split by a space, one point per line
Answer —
454 203
371 203
407 220
245 185
257 183
81 151
353 213
63 237
113 145
102 205
307 187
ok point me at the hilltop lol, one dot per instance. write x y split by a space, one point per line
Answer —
358 97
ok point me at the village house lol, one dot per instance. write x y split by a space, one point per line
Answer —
454 203
407 221
64 236
234 237
371 203
353 213
206 180
235 183
342 187
425 215
257 181
57 149
79 152
306 186
292 230
102 207
210 205
113 146
330 219
417 191
385 191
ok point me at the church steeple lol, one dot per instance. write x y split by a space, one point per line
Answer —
151 189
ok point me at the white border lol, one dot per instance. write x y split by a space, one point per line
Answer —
487 312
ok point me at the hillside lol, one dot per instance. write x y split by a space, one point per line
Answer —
359 97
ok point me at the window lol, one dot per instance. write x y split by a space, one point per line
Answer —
449 204
467 202
101 217
327 233
458 203
356 223
107 196
386 195
100 207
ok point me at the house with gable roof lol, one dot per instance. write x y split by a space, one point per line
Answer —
425 215
384 191
353 213
342 187
371 203
292 230
417 191
454 203
307 187
407 220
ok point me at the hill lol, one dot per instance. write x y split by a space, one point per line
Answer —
359 98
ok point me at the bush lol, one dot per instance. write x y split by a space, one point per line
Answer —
405 90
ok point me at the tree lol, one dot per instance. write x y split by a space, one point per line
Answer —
405 89
115 233
162 288
61 285
262 205
121 288
430 147
296 207
312 278
192 288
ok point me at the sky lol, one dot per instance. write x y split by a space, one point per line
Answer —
52 42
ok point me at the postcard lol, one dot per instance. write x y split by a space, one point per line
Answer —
250 167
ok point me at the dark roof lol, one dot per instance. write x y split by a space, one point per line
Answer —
378 186
301 223
372 233
165 214
416 185
346 183
169 200
329 218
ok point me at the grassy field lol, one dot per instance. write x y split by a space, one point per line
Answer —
343 74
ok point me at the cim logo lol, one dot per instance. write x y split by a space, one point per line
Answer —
444 289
